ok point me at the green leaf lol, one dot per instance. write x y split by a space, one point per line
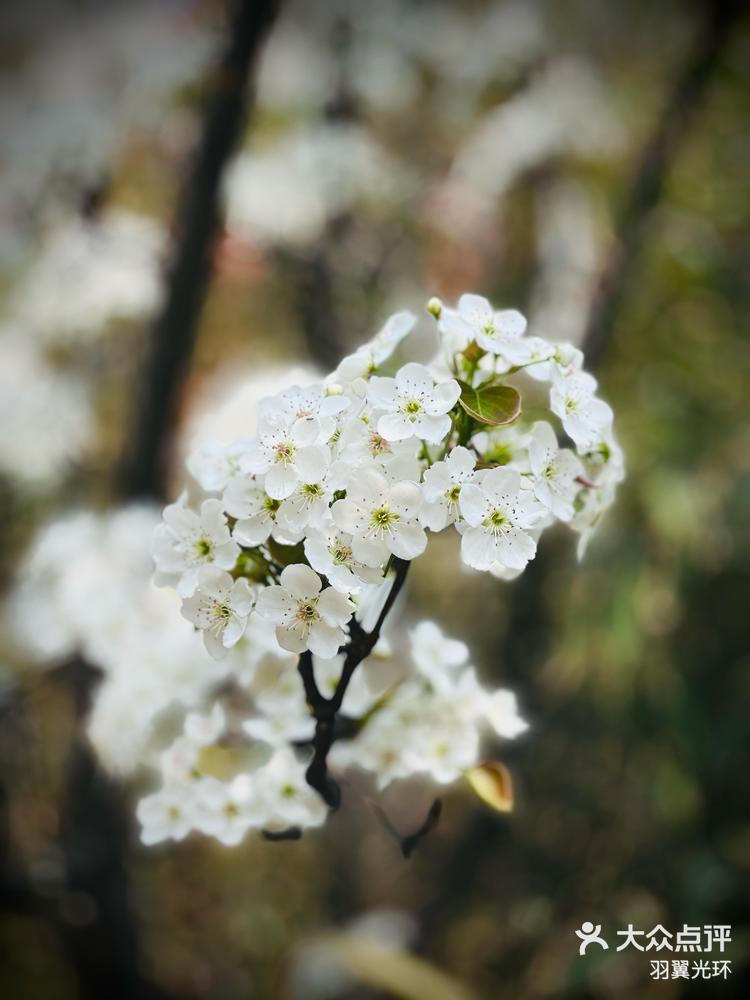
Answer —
490 404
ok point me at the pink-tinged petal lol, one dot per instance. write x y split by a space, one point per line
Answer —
472 503
395 427
325 640
281 481
301 582
382 393
334 608
275 604
408 541
476 549
433 429
444 397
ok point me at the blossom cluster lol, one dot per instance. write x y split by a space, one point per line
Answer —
344 476
288 551
230 772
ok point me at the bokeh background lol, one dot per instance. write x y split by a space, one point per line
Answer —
587 162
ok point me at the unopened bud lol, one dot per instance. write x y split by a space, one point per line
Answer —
434 307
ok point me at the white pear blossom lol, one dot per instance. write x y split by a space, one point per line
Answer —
219 607
186 541
498 514
301 402
168 814
228 810
205 729
329 550
499 332
414 405
306 616
435 655
310 501
352 471
554 471
442 485
215 464
288 799
370 356
381 517
277 451
257 513
585 417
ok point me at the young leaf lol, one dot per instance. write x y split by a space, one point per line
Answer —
492 783
490 404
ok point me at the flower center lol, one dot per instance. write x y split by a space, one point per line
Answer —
412 408
220 615
496 520
378 445
270 505
312 490
307 612
284 452
382 518
203 547
453 494
342 554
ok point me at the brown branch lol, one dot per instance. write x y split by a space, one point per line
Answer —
652 170
325 710
143 472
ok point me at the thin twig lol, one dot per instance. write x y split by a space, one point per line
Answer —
325 710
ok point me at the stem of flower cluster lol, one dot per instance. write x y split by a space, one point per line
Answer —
325 710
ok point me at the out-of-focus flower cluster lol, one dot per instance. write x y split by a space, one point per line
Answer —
295 531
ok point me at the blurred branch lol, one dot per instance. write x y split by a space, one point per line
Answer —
93 913
652 170
528 633
175 330
325 710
